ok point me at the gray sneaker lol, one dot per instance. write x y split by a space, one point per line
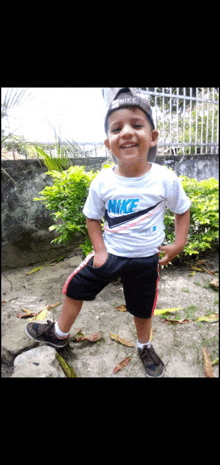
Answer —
45 333
154 367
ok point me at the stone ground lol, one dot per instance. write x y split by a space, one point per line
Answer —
180 346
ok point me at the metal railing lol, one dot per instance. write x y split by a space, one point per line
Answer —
187 119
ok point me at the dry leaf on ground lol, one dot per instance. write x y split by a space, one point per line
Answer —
122 364
81 337
164 311
34 270
121 308
192 274
93 338
176 322
36 315
196 268
214 284
209 272
53 305
204 270
211 318
42 313
117 338
207 364
25 315
28 312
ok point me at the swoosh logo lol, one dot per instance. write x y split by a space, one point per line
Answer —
113 222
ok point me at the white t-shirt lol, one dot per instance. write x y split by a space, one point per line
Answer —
134 209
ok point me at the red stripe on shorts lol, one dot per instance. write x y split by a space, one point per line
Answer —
84 263
156 295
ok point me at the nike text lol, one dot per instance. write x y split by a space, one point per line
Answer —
122 206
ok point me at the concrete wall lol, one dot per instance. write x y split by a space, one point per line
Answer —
25 236
194 166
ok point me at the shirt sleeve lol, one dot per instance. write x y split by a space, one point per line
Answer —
176 198
94 207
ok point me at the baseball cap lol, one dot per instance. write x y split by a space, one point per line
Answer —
120 97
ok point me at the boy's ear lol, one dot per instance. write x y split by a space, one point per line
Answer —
154 137
107 144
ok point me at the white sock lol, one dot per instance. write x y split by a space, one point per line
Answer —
141 346
60 333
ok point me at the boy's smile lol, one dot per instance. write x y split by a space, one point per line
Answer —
129 139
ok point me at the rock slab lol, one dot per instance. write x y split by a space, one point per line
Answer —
40 362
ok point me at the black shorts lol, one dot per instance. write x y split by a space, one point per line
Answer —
139 277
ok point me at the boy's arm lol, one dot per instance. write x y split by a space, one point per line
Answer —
95 234
182 223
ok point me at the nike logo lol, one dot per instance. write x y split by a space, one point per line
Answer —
113 222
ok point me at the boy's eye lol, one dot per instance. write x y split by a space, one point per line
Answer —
118 129
138 126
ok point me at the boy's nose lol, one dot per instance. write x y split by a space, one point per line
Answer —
127 130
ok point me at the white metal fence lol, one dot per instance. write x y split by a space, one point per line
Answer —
187 119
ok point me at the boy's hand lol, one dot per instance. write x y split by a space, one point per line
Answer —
99 259
181 230
171 251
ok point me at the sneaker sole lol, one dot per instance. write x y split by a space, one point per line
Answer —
45 342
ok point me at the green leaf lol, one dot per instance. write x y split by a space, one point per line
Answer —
209 318
69 371
34 270
166 311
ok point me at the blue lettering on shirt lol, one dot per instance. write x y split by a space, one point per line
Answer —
122 206
112 206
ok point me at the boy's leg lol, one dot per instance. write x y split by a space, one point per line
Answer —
47 332
83 284
154 367
69 313
143 327
140 282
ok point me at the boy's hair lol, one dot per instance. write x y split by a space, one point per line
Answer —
127 97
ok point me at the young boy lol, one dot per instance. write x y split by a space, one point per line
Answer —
132 197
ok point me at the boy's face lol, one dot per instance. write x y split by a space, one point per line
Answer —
130 136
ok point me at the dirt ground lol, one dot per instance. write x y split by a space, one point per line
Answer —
180 346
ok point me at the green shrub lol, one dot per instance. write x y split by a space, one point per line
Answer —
204 222
66 198
68 194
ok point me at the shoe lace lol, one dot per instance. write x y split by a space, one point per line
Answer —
150 354
49 329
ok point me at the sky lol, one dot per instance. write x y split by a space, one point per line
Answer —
76 113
